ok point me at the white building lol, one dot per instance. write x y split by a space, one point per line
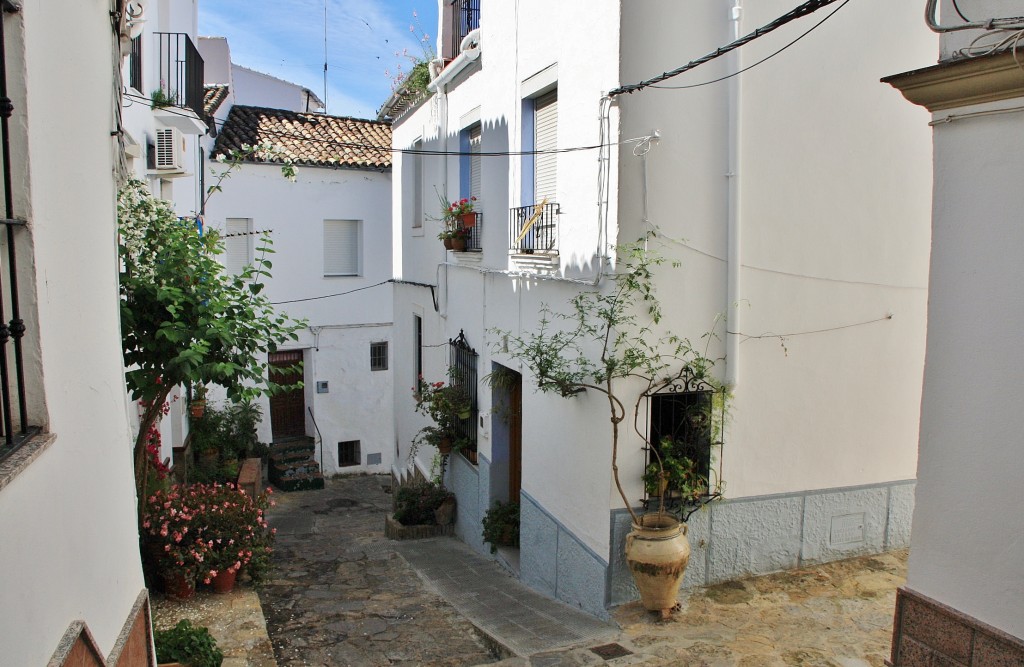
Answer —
72 581
332 266
794 197
964 598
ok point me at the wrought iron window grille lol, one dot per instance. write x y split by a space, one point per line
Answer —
181 71
465 19
534 229
462 372
686 417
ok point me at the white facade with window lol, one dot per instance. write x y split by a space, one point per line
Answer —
331 237
816 228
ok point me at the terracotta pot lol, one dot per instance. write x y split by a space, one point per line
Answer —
445 514
179 586
224 582
657 552
468 220
445 445
197 408
447 243
459 244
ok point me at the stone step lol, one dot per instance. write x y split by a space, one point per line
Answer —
290 456
292 445
301 482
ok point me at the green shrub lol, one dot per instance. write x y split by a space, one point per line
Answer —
415 503
501 525
187 644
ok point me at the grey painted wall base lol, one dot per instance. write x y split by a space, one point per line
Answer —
763 534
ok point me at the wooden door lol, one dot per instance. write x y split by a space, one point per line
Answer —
515 439
288 408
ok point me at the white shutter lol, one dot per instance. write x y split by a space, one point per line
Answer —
546 139
341 247
238 244
475 161
417 185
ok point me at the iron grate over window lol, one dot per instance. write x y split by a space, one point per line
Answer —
379 356
686 421
465 19
462 373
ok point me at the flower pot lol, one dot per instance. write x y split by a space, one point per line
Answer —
179 586
464 414
445 514
447 243
444 446
657 552
459 244
197 408
468 220
224 582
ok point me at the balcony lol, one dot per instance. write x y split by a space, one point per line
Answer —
465 18
473 242
181 82
534 229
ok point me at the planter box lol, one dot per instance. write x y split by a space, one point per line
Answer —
396 531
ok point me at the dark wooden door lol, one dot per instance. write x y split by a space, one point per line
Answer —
288 408
515 439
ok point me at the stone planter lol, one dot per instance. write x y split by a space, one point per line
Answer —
396 531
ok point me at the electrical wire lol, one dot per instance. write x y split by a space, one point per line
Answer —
805 9
410 151
766 58
329 296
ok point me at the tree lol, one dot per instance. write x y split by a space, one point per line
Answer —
610 340
183 320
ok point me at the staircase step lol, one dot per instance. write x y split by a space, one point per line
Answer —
290 456
292 446
301 482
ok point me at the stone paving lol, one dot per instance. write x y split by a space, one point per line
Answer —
340 595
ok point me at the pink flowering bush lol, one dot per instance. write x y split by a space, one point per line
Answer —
200 530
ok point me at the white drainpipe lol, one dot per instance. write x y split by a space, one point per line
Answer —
733 285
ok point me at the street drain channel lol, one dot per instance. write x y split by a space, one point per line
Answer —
610 651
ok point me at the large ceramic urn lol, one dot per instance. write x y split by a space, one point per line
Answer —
657 552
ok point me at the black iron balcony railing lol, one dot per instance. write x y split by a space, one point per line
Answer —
473 242
181 71
14 428
135 65
465 19
534 228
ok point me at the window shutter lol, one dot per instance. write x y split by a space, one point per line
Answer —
341 247
417 185
546 139
238 244
475 161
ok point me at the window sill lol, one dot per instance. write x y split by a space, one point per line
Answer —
24 456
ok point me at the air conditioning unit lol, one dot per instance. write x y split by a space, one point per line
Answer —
169 149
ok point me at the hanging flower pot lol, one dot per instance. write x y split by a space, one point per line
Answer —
468 219
657 552
444 445
197 408
464 414
224 582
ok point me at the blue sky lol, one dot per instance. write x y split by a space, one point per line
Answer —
286 39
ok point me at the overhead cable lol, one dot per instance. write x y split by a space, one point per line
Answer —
804 9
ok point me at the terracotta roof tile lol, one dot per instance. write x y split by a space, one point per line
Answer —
310 139
213 96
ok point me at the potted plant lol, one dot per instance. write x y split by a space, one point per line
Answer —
198 405
172 532
462 211
186 644
458 218
501 525
424 503
447 405
230 524
610 343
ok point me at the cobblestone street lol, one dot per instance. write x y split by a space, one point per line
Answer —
343 595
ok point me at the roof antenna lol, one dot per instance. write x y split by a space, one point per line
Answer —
325 56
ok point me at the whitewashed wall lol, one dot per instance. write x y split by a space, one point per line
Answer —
259 89
966 548
833 215
358 404
70 545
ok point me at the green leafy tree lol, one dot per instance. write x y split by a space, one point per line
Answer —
610 344
184 321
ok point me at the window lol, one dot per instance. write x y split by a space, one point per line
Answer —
341 247
417 185
348 453
238 244
462 360
464 17
379 356
545 137
418 349
470 172
135 65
